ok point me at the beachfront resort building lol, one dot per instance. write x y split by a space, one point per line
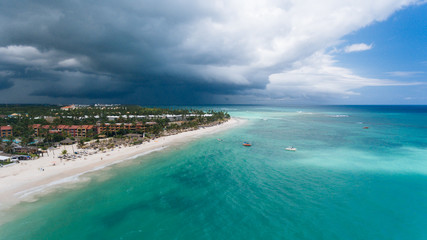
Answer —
88 130
76 130
40 130
115 127
73 130
6 131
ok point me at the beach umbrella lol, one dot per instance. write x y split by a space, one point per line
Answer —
67 141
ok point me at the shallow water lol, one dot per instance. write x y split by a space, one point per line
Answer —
343 182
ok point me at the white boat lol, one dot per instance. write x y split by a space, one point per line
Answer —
290 149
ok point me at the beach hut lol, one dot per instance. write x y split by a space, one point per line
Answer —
67 141
21 149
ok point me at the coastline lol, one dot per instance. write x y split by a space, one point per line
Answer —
29 179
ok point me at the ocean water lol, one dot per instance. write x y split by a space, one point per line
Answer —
343 182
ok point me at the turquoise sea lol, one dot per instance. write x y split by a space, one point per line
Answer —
343 182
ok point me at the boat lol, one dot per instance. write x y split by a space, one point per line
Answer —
290 149
247 144
365 127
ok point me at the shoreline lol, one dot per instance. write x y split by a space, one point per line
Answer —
31 179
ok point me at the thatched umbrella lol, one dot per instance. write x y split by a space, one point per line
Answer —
67 141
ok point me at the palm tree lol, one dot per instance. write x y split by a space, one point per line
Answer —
81 143
8 148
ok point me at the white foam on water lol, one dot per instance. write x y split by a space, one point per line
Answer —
31 191
145 153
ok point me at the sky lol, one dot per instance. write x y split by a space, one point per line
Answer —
213 52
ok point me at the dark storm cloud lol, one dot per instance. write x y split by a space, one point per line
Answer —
5 83
165 51
101 49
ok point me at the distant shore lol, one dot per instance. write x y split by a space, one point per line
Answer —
26 180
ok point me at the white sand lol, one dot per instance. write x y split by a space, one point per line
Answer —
22 181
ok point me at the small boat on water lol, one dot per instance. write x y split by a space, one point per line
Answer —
247 144
290 149
365 127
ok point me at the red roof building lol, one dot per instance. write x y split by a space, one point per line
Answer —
115 127
6 131
74 130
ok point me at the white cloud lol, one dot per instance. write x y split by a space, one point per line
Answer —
404 73
359 47
317 77
71 62
24 55
29 56
274 37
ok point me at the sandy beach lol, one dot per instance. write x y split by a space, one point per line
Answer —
27 179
